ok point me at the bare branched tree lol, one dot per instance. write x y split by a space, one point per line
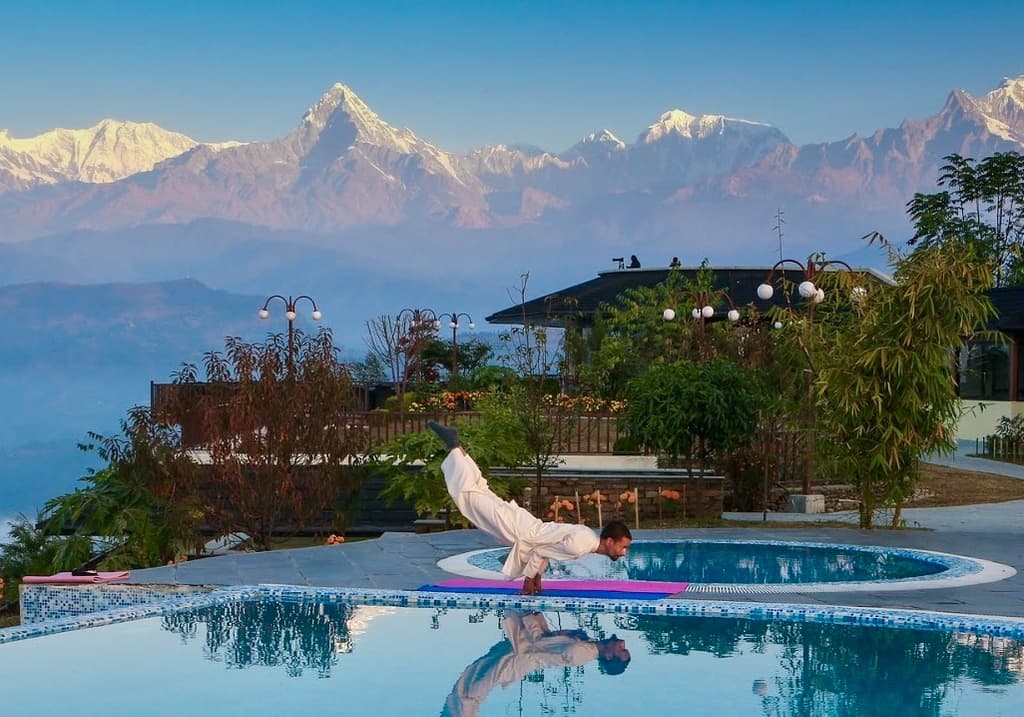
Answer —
534 354
398 342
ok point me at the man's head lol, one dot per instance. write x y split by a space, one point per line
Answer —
612 656
615 540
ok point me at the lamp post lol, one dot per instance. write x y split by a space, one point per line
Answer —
290 313
704 310
453 323
414 327
417 318
813 294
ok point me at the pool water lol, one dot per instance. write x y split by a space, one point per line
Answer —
704 561
271 657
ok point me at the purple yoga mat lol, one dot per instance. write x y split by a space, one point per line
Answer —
618 586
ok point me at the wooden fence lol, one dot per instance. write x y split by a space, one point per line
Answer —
589 433
1000 449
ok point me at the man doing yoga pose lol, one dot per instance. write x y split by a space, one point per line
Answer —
532 540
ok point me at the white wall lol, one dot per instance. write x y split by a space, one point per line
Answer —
980 417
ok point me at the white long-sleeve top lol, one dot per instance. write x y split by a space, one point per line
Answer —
532 540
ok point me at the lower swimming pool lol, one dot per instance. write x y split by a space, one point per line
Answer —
283 651
758 566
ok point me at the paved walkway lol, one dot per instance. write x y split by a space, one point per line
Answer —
408 561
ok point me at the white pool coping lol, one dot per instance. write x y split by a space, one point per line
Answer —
961 571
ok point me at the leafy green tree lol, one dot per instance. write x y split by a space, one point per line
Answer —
982 207
469 357
411 463
368 371
32 550
692 410
144 504
489 377
631 333
885 384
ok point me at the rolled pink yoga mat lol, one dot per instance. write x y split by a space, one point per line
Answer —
69 579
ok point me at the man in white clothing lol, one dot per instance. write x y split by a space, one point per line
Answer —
533 541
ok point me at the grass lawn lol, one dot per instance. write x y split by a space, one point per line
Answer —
941 486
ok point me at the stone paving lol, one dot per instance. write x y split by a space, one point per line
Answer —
408 561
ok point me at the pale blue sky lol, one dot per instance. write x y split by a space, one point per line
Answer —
467 74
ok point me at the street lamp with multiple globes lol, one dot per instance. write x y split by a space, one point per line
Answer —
290 313
809 290
417 318
453 323
704 310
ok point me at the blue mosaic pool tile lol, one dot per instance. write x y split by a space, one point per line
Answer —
991 626
42 602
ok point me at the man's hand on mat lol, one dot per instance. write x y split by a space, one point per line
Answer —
531 586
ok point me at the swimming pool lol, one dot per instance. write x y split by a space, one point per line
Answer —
282 651
760 566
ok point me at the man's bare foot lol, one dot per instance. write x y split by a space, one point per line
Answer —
531 586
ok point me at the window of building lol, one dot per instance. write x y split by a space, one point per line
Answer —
984 371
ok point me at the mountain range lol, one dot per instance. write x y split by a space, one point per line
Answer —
348 177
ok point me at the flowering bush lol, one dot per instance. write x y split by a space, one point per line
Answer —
464 400
586 404
557 505
447 401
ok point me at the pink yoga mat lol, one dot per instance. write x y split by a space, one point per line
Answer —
69 579
624 586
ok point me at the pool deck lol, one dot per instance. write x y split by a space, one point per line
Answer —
407 561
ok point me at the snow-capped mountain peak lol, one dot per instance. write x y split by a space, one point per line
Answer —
1005 105
108 151
340 103
682 124
604 137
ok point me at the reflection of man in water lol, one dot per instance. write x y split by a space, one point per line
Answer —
531 646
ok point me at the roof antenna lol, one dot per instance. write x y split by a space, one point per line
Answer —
779 222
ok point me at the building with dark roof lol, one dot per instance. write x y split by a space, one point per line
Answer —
578 305
990 375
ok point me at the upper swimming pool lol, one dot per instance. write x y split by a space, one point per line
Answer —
274 651
760 566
